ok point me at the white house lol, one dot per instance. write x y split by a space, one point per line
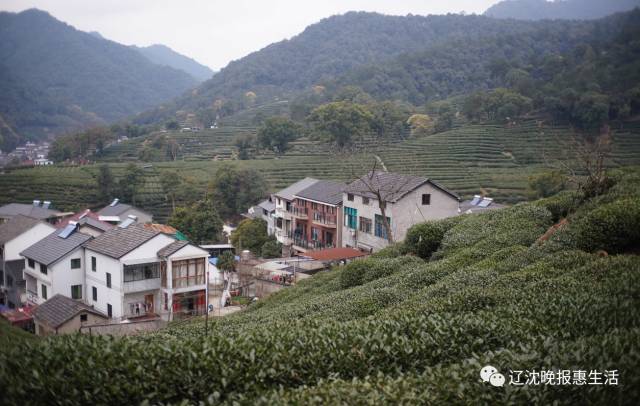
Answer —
264 210
284 221
136 270
117 213
54 265
17 234
409 200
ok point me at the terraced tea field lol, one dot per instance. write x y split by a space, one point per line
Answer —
493 159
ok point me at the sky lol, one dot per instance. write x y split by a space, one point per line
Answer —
215 32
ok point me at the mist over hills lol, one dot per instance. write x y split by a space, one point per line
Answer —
559 9
55 79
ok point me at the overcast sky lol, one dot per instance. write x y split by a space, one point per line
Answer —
215 32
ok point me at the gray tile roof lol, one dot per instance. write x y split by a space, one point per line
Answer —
267 205
100 225
288 192
393 186
467 206
60 309
172 248
15 226
29 210
118 242
53 247
117 210
323 191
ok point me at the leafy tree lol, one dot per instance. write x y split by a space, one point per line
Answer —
389 118
199 222
547 184
591 110
251 235
234 191
105 183
276 133
341 122
271 248
227 261
130 182
172 125
420 124
170 182
446 115
244 143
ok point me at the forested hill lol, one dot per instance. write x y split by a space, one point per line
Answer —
542 51
411 58
163 55
559 9
54 78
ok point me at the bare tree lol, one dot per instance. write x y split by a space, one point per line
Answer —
583 160
369 176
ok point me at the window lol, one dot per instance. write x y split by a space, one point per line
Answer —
380 230
426 199
94 291
315 236
93 264
76 291
32 263
75 263
365 225
188 272
108 280
350 217
141 271
43 269
109 310
350 197
365 201
9 281
83 318
44 291
314 206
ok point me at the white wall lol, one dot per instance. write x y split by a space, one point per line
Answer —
403 214
63 277
14 247
98 279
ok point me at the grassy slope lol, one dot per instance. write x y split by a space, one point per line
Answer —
468 159
407 330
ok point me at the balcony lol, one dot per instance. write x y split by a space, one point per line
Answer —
325 219
311 245
300 212
141 285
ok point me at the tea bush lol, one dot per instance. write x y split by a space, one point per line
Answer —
613 227
382 330
424 239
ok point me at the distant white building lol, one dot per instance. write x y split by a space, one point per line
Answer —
284 222
264 210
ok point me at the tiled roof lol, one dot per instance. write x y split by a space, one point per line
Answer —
172 248
86 217
118 209
118 242
53 247
29 210
323 191
163 228
267 205
393 186
16 226
60 309
335 254
288 192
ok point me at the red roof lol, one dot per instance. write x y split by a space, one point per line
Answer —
20 315
335 254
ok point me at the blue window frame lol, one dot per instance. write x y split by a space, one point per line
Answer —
379 226
351 217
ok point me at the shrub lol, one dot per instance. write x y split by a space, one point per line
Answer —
369 269
613 227
424 239
392 251
560 205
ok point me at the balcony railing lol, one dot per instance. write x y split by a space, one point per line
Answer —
141 285
300 212
325 219
312 245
